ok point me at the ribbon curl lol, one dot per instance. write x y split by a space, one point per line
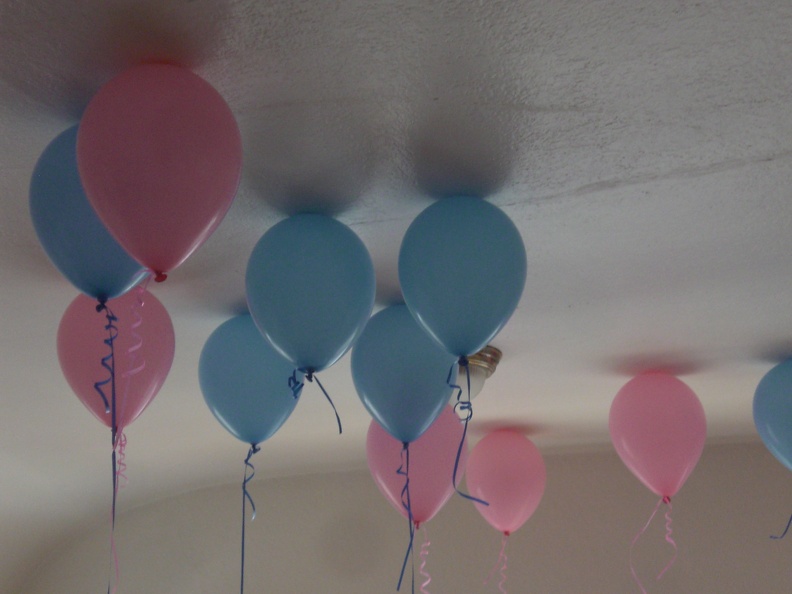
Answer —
404 470
465 407
501 564
424 555
668 537
250 472
108 361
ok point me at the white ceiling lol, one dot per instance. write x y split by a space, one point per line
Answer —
643 149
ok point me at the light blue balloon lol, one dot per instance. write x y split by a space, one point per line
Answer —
400 374
245 382
462 271
70 231
310 289
772 411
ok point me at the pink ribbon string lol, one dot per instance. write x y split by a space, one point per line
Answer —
501 565
668 537
424 555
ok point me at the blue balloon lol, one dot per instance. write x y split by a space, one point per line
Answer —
245 382
462 270
772 411
400 374
70 231
310 289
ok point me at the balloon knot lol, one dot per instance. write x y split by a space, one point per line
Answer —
101 305
506 533
463 361
417 525
159 276
666 499
309 374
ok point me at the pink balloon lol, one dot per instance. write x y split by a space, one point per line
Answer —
506 470
658 428
81 347
432 458
160 157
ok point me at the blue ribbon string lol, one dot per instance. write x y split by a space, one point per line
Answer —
404 470
785 530
250 472
462 406
296 387
108 362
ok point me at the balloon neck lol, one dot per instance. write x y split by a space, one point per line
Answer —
506 533
101 304
159 276
463 361
417 525
666 499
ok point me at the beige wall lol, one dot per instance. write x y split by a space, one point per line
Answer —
335 534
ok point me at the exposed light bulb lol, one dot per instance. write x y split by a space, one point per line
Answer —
480 367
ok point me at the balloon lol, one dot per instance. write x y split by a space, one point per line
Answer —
772 411
432 459
160 157
506 470
244 381
310 288
74 238
143 353
462 270
658 428
400 373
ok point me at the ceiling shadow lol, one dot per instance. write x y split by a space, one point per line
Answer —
457 150
671 363
480 429
59 53
309 157
776 353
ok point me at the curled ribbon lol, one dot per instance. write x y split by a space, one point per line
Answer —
501 564
424 555
462 406
404 470
668 537
250 472
295 385
108 361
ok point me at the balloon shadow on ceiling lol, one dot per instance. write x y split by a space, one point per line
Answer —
309 157
461 141
776 353
458 150
527 428
671 363
59 56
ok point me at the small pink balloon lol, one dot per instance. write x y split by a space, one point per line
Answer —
658 428
432 458
506 470
145 338
160 157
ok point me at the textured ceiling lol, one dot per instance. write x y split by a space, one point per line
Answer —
642 148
